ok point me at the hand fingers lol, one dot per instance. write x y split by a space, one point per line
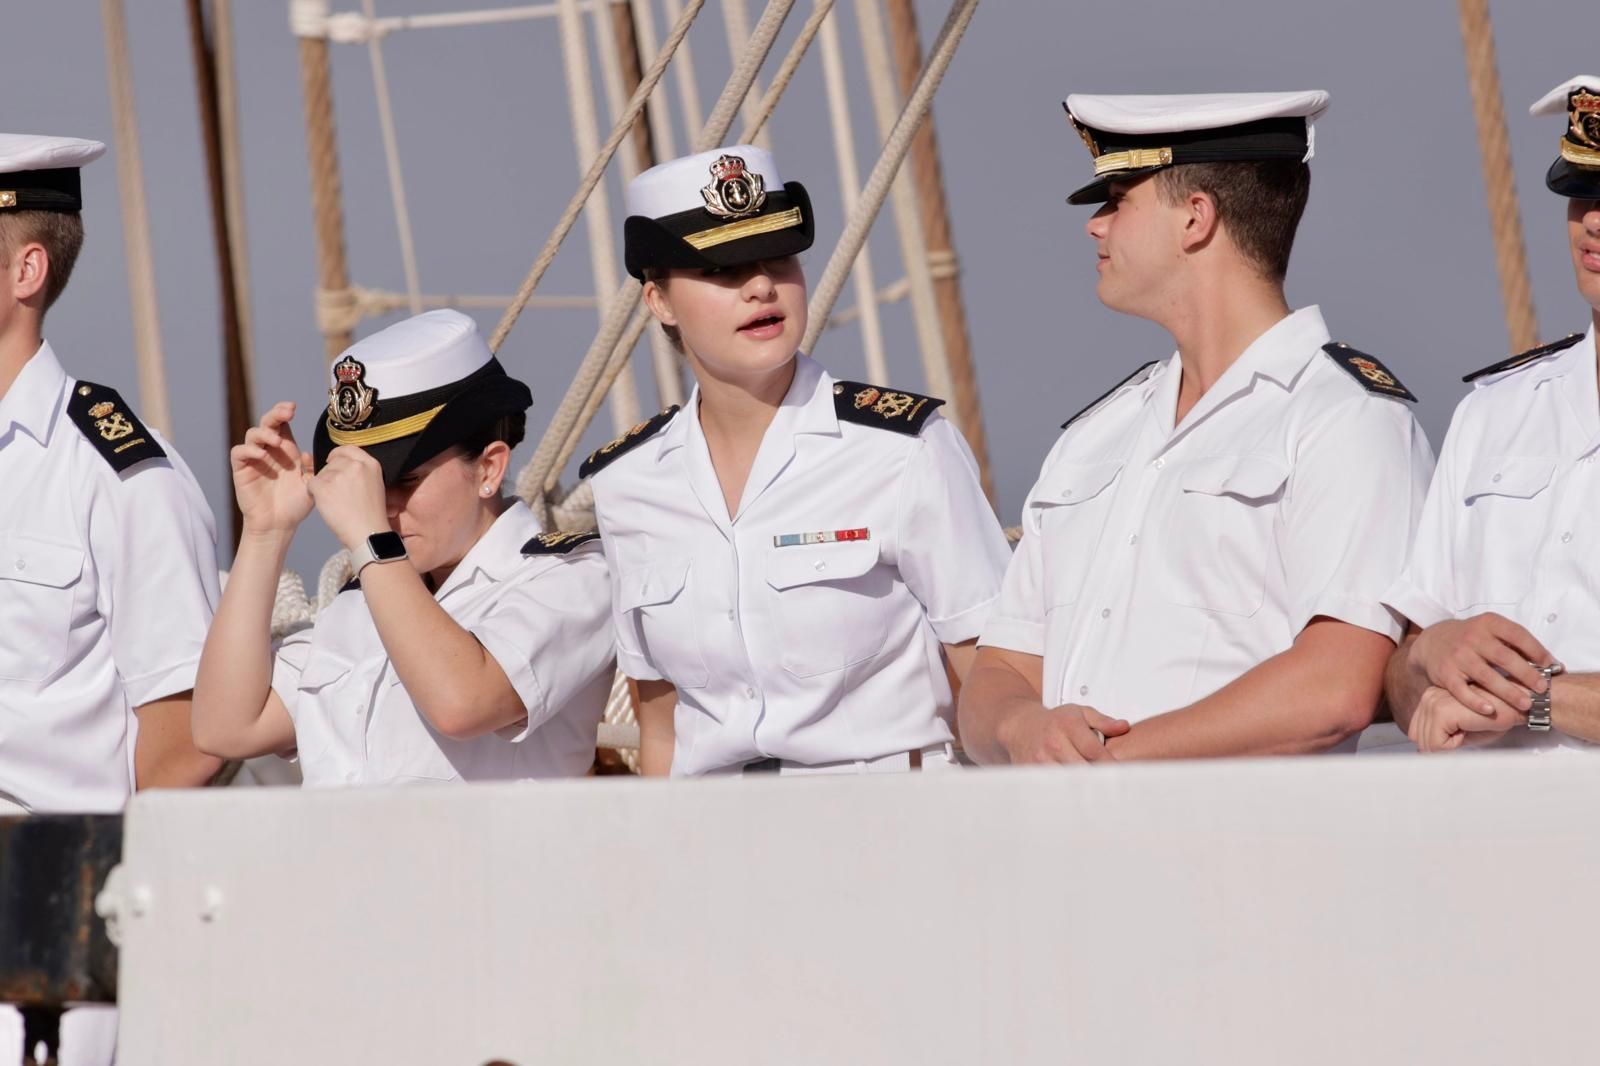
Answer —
244 454
1522 641
1516 666
1111 727
1499 691
277 415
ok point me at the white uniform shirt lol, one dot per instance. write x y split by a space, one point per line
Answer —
542 617
1507 524
107 585
1159 563
815 653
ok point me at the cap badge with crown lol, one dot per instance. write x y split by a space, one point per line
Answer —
735 191
351 400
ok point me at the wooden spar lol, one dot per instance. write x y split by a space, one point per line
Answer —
237 396
336 314
632 74
1505 220
942 262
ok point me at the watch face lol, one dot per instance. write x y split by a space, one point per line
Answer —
386 546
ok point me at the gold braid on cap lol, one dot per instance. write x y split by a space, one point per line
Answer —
404 427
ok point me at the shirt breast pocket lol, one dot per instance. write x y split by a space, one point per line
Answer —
1220 532
38 584
657 602
833 603
1506 510
1068 508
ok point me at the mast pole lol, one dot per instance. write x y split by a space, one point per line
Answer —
928 174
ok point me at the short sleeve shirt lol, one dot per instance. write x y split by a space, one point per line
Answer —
818 651
1506 527
1160 562
108 582
544 618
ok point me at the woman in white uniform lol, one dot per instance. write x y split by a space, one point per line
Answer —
799 564
469 646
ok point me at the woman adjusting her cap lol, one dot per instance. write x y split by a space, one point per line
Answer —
798 563
469 646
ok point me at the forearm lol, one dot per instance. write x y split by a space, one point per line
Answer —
1306 699
1575 705
655 705
993 695
453 681
234 679
164 755
1403 682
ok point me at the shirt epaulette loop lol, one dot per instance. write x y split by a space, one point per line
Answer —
1133 378
883 408
1367 371
558 543
111 426
1522 359
609 453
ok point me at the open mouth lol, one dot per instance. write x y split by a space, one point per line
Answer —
765 326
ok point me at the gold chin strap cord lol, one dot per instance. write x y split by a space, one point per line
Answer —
750 227
1132 159
361 438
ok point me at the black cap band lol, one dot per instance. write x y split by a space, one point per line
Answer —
58 189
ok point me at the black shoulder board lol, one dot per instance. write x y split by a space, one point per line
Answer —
627 442
350 586
881 408
1368 372
108 423
557 543
1524 358
1098 400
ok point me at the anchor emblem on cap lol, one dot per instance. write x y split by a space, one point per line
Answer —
1585 108
351 400
735 191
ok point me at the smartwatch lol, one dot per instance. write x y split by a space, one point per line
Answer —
383 547
1539 713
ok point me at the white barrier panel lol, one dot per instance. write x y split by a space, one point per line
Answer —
1329 910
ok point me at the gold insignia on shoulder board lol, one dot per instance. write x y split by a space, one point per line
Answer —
1373 373
735 190
101 409
866 397
351 400
893 404
114 428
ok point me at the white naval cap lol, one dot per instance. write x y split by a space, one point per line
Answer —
719 208
1140 134
409 391
41 173
1576 173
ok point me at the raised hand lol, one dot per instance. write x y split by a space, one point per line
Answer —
349 495
270 474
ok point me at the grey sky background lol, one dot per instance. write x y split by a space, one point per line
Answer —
1395 246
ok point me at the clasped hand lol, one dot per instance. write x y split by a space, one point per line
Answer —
276 488
1482 673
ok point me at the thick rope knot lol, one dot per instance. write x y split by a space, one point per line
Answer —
943 264
308 18
291 610
341 310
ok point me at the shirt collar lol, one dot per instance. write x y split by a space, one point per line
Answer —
1567 361
1283 351
34 399
498 552
806 408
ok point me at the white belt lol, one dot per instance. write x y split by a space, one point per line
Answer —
932 757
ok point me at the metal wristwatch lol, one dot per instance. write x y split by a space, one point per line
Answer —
383 547
1539 713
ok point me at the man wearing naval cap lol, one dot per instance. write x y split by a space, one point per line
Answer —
1501 651
1204 550
108 572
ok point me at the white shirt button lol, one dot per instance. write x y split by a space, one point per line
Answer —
819 565
749 693
1551 617
1495 479
1159 463
1134 539
1105 612
1566 538
1066 493
20 565
730 616
1083 690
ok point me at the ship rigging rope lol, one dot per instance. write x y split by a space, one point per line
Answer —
888 165
1505 221
391 158
153 402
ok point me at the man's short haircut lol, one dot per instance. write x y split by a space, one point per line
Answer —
1259 203
61 233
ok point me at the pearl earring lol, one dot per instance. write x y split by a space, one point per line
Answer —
486 490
